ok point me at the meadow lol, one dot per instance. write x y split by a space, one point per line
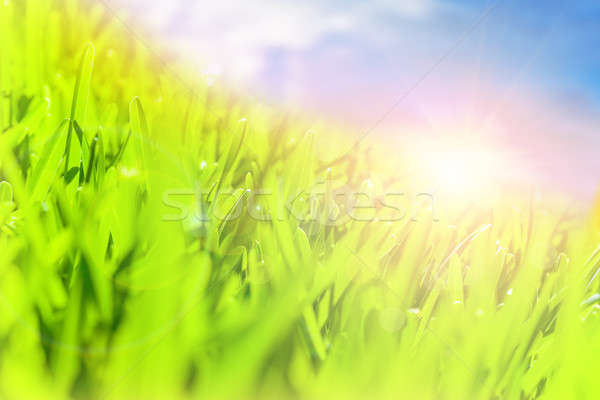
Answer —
162 236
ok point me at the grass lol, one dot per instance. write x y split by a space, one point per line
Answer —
131 265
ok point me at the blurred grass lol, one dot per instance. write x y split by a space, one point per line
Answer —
103 296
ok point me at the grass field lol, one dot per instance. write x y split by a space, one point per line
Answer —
164 240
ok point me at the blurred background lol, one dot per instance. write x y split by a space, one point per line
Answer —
476 90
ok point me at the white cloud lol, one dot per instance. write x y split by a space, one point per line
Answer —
236 33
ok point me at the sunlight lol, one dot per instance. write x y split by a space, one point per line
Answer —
465 170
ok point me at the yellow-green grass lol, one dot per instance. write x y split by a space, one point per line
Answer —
106 293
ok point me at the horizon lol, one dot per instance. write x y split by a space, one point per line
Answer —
495 70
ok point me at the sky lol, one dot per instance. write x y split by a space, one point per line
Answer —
523 76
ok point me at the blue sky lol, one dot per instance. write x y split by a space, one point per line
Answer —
528 76
548 43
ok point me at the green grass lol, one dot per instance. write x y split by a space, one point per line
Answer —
105 293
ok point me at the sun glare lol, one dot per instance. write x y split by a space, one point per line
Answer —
465 170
